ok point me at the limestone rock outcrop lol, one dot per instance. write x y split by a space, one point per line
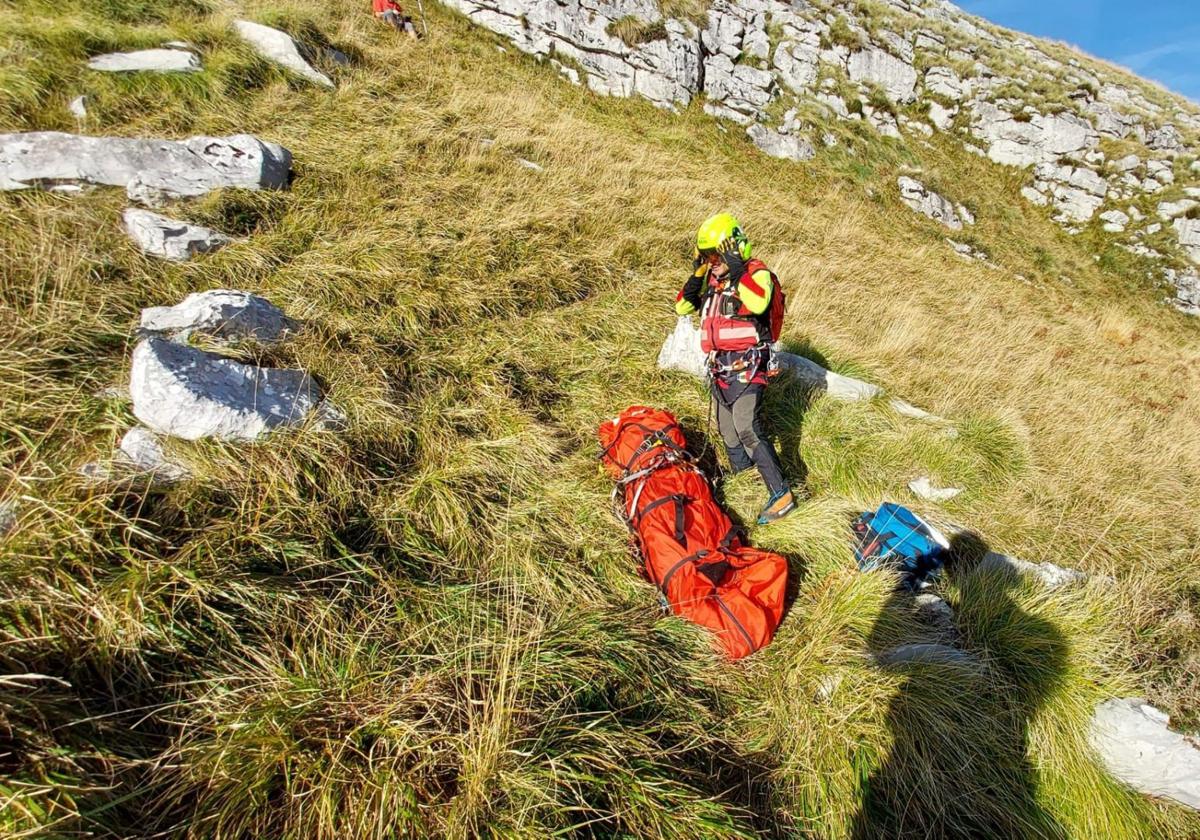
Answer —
150 170
191 394
928 203
1133 740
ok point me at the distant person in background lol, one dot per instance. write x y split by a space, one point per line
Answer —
389 11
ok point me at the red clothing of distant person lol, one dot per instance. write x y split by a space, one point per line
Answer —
382 6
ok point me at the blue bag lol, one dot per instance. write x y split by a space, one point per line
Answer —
894 536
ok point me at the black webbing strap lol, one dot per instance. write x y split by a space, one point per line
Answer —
680 500
733 618
666 581
657 436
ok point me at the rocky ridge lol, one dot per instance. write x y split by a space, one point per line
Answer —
1097 142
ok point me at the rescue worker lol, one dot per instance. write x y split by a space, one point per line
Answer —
389 11
732 293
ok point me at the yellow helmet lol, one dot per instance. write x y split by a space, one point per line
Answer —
716 230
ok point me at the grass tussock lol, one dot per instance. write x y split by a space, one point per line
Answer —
429 624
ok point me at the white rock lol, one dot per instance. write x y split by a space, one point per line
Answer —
150 170
8 518
279 47
928 203
924 488
681 351
1166 139
1050 575
929 654
1187 289
1127 163
942 117
835 103
170 239
1135 214
187 393
1170 209
797 65
155 61
144 451
936 612
220 314
1035 197
1136 746
883 122
943 81
1114 221
78 107
1153 229
1043 139
1162 171
897 78
789 147
528 164
1188 232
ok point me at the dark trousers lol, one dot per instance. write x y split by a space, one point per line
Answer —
741 430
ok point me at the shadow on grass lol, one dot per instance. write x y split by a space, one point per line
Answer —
959 765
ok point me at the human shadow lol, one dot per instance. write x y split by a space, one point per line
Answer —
959 765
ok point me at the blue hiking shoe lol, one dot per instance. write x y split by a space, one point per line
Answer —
778 506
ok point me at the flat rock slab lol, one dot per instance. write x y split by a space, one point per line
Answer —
150 170
925 489
153 61
786 146
220 313
187 393
1136 746
170 239
279 47
929 653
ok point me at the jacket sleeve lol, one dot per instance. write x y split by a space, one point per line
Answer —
755 291
688 299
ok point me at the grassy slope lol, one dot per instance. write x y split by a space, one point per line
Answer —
431 624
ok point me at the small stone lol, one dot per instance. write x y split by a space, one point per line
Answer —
8 518
170 239
78 107
528 164
145 453
154 61
1168 210
223 314
924 488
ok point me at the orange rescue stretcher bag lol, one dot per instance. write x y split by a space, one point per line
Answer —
691 550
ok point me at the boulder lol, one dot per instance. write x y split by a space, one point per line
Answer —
1134 742
280 48
797 64
1077 192
923 488
789 147
941 116
1048 574
1110 122
1127 163
170 239
896 77
144 452
153 61
187 393
150 170
219 314
681 350
928 203
736 91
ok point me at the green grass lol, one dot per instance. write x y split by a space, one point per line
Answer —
430 624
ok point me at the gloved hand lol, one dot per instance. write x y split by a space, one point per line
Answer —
691 291
733 258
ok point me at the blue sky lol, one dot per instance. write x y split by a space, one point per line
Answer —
1157 39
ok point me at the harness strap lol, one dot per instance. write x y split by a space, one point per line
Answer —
679 501
666 581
